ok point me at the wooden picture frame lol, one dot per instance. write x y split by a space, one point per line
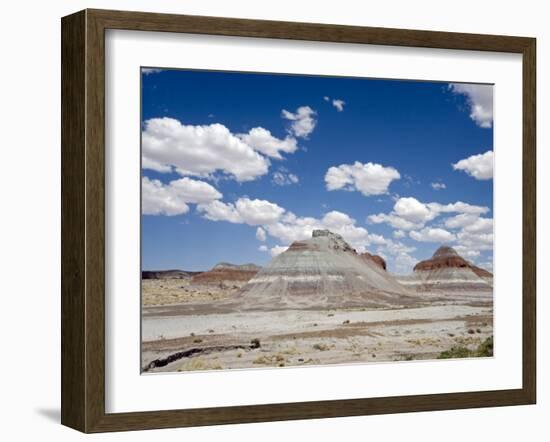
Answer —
83 220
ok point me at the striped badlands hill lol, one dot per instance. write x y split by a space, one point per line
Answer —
322 272
446 270
225 273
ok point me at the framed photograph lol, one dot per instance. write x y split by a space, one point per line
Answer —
268 221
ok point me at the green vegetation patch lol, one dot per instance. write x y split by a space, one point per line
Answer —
485 349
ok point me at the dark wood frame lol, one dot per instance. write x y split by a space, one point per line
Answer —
83 220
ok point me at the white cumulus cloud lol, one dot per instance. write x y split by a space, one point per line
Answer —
475 241
339 104
475 233
260 234
403 263
245 211
303 121
199 150
408 213
171 199
459 207
465 252
393 220
286 227
399 234
480 225
261 140
292 228
413 210
478 166
438 186
429 234
220 211
377 240
480 100
277 250
256 212
369 178
460 220
397 255
283 178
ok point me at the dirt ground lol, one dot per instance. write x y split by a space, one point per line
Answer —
182 330
178 291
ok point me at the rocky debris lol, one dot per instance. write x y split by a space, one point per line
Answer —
226 273
378 260
335 241
324 271
447 270
167 274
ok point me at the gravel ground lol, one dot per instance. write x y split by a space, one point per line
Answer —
227 340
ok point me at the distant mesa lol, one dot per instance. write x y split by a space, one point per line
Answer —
447 270
167 274
324 271
226 273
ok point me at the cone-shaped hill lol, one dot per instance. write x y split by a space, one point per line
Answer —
447 270
324 271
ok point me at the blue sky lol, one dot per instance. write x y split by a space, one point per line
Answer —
235 166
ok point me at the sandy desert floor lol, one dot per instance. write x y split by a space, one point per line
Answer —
183 330
179 291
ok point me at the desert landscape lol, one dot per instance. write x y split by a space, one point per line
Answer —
302 220
319 302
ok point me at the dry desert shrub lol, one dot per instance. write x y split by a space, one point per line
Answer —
199 364
276 359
